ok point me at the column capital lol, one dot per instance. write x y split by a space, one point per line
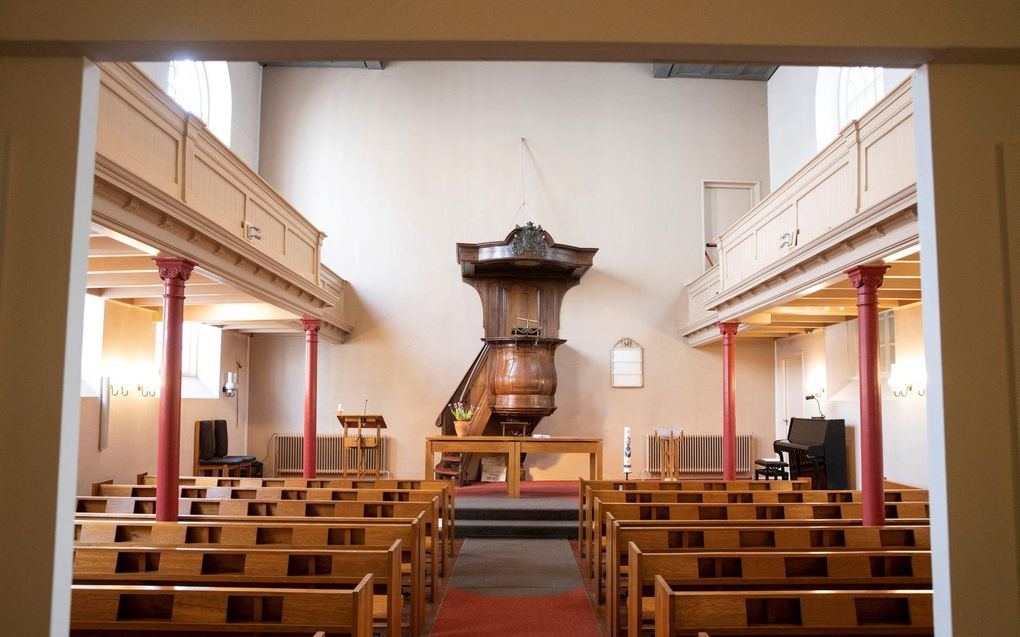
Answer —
174 268
728 329
867 276
311 325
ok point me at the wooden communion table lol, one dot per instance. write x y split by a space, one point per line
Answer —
512 447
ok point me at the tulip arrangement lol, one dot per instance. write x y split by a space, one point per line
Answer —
462 411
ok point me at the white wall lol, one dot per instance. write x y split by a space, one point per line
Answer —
130 338
831 354
791 105
803 114
397 166
246 102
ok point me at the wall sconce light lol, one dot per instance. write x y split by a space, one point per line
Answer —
116 389
898 381
905 378
148 381
230 384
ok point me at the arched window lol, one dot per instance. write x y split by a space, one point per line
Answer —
860 88
843 94
203 89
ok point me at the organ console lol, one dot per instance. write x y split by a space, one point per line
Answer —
817 449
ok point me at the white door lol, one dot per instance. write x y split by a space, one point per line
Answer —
793 404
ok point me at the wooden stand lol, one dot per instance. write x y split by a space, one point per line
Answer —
359 443
667 450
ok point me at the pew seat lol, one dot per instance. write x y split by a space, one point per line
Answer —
257 533
683 538
784 570
251 567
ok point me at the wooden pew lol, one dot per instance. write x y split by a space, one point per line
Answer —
260 567
779 513
677 537
309 511
884 613
728 514
448 488
136 610
108 489
257 533
800 570
757 496
675 485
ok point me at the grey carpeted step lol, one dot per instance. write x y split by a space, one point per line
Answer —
517 528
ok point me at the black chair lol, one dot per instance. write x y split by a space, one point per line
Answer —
211 451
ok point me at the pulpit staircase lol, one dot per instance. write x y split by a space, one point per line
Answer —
472 390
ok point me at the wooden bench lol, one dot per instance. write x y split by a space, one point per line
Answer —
252 534
217 566
692 539
730 514
137 610
764 570
885 613
447 487
313 494
311 511
585 486
733 497
706 512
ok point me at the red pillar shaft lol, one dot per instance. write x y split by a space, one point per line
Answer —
174 273
311 381
867 279
729 332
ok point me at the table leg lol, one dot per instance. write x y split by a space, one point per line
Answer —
513 468
429 457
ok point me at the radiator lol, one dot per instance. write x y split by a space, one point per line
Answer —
288 455
702 454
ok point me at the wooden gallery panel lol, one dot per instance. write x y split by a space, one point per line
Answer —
140 133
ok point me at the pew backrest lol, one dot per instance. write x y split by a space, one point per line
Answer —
885 612
218 566
781 570
212 609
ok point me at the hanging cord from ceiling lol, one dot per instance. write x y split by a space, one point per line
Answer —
524 204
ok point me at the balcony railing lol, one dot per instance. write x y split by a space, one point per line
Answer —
856 181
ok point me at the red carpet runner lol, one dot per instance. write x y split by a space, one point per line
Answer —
520 588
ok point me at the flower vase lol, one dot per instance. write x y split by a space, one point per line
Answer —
462 427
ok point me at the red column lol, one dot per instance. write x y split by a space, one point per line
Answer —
867 279
311 380
174 272
729 410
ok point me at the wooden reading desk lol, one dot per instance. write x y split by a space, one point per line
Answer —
359 442
513 447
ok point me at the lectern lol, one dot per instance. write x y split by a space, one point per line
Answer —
362 455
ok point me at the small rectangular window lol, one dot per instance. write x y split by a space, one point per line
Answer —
189 350
200 359
886 341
